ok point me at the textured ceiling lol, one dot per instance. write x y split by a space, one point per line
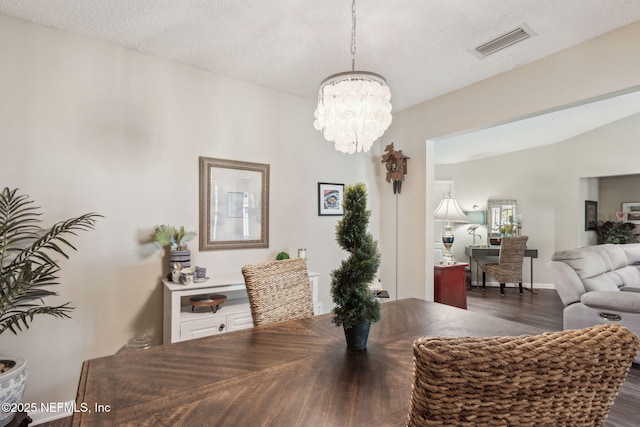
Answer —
423 48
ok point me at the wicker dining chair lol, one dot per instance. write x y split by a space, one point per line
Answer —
278 291
509 266
567 378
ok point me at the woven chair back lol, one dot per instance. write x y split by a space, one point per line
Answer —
512 253
567 378
278 291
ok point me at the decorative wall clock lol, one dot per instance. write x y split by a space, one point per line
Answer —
396 164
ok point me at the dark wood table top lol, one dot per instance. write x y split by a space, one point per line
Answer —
296 373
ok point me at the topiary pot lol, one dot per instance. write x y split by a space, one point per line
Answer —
357 336
12 385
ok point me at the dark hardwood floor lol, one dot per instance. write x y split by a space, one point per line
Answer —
544 310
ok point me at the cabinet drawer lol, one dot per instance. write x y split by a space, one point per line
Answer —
203 327
240 321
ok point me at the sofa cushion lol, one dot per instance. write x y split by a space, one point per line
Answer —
629 276
602 267
608 281
592 260
632 251
614 301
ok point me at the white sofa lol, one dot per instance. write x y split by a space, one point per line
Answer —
599 284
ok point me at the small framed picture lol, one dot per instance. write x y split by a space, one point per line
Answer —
631 212
590 215
330 199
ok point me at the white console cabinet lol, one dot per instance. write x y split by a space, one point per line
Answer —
181 323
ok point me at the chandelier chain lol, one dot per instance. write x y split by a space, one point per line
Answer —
353 35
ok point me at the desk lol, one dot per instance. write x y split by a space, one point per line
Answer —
295 373
474 253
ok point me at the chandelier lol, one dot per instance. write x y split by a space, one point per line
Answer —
354 107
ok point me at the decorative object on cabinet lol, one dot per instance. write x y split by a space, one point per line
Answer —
27 269
354 107
281 256
396 165
449 210
590 215
278 291
176 238
355 304
631 212
213 301
330 199
234 204
201 273
302 253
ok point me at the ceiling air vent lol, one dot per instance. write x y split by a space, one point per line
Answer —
502 42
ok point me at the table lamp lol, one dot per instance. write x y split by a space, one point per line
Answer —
449 210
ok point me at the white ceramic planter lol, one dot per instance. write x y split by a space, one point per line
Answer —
12 384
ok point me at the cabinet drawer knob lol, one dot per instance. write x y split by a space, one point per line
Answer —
221 327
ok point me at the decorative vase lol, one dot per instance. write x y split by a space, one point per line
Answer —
357 336
181 257
12 385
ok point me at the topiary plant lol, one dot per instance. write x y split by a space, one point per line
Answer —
355 303
26 264
617 232
282 255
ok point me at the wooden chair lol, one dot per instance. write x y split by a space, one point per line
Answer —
278 291
567 378
509 266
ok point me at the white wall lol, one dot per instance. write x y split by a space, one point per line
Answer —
603 65
549 185
86 126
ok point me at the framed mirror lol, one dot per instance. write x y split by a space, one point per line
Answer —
500 213
234 204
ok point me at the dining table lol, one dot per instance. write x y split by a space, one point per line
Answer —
293 373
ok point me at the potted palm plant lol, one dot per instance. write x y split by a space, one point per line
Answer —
177 239
27 271
356 306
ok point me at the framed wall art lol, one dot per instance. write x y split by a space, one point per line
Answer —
590 215
330 199
631 212
234 204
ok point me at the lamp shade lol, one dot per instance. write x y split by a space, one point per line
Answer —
449 210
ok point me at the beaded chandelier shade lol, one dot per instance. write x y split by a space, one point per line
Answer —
354 107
